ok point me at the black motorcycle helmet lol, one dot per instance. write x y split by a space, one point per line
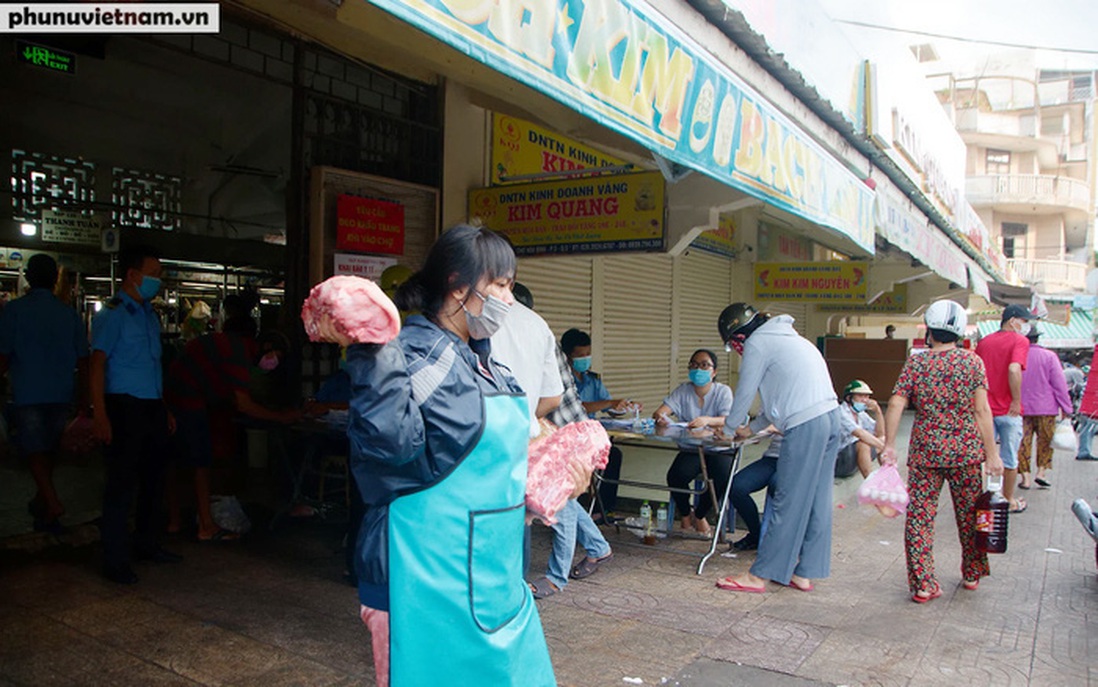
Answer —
737 322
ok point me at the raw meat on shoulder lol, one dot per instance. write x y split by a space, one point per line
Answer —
358 309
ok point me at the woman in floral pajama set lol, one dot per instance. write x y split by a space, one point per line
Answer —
951 437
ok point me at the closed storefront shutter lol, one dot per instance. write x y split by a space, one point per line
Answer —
561 289
799 312
703 287
635 298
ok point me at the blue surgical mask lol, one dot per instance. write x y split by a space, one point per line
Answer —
858 406
581 365
149 287
701 377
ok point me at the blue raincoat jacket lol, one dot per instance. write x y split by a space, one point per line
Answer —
438 434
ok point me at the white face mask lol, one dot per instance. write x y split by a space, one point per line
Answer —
489 320
1024 328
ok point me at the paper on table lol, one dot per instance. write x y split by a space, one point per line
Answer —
616 424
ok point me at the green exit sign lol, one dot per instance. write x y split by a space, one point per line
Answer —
46 58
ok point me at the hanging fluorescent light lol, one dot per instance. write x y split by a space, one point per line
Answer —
28 229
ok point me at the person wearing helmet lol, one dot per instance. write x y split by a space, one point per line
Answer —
392 277
952 436
1005 354
790 375
862 433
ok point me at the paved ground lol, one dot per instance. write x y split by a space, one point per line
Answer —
271 610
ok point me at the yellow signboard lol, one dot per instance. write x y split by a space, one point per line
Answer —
839 281
520 148
594 214
889 302
720 240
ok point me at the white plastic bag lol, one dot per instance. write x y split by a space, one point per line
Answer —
1064 439
228 514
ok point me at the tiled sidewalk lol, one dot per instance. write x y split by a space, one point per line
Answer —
271 611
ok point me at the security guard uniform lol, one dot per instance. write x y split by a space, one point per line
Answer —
128 332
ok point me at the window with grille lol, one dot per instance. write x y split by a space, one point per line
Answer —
49 182
998 161
1014 239
145 200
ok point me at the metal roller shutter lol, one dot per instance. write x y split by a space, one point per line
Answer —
703 285
799 312
562 290
637 331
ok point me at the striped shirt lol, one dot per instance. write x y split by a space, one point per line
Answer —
209 371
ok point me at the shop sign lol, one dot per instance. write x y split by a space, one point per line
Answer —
596 214
366 266
369 225
838 281
71 227
520 148
778 245
888 303
719 241
626 67
45 58
911 233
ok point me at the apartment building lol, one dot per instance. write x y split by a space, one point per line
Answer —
1029 134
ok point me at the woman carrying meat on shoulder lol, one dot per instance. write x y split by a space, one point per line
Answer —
438 434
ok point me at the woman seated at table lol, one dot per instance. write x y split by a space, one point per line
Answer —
700 403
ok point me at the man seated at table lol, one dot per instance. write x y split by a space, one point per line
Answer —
576 345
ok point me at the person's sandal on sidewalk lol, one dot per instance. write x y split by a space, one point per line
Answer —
542 588
589 566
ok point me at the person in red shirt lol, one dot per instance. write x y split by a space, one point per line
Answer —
1088 412
211 378
1004 354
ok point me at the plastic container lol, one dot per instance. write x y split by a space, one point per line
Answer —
992 516
661 518
646 518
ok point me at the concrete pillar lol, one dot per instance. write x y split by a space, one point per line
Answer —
465 150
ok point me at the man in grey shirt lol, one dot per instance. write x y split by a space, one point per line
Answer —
792 380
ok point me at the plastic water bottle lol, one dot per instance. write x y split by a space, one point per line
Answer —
661 518
992 516
638 424
646 519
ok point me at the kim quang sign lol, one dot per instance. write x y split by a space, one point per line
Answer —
590 215
521 148
838 281
625 66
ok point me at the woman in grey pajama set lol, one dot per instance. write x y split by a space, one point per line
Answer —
794 385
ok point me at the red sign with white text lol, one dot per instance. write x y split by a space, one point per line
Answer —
367 225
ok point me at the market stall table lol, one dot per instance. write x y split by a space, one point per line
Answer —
678 438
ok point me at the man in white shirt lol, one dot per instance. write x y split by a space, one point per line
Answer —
526 345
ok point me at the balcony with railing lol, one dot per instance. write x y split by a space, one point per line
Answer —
1028 193
1051 276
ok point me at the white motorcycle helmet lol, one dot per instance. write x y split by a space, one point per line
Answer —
948 316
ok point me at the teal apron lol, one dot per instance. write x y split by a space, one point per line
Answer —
455 562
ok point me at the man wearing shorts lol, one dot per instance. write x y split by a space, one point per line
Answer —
1004 354
42 342
210 378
